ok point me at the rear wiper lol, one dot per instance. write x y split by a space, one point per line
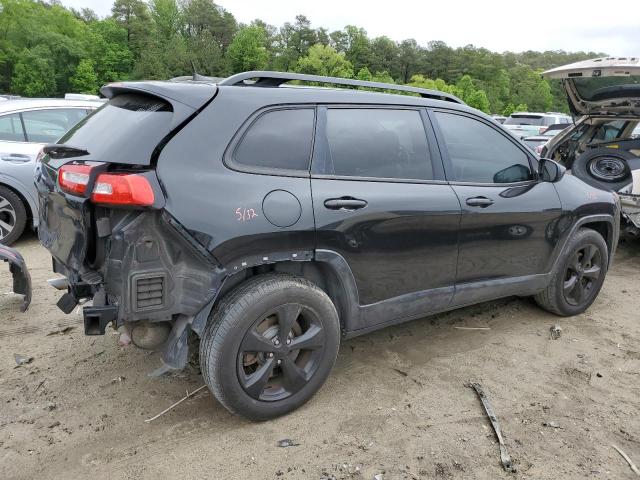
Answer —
56 150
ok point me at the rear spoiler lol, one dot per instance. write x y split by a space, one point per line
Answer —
185 97
21 277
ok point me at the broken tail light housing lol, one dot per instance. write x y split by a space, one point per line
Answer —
126 189
123 189
74 179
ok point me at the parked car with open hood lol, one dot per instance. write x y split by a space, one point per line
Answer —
602 148
26 125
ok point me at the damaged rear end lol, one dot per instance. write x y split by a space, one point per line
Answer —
102 218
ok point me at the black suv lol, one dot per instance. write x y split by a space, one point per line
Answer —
272 221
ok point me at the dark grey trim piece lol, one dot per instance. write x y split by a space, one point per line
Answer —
612 240
473 293
347 287
410 305
486 290
20 273
275 79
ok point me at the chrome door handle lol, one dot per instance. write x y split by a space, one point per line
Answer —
481 202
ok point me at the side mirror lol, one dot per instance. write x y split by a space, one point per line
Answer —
550 171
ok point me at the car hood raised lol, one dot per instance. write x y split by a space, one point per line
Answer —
607 85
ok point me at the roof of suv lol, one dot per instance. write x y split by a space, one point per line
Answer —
274 87
29 103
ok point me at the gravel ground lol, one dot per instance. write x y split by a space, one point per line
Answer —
395 405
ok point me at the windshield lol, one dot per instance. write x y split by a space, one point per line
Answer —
535 120
602 88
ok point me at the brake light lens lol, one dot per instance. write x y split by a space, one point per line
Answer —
543 129
123 189
73 179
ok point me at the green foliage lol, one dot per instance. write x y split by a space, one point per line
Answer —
84 80
247 51
46 49
33 75
324 60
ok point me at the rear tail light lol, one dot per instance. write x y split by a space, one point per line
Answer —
123 189
543 129
73 179
127 189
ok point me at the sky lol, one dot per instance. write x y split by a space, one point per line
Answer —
498 25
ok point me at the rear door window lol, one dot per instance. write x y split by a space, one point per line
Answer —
277 140
380 143
48 125
479 153
11 128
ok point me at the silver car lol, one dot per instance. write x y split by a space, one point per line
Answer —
25 126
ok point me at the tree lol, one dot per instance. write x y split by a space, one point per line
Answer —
34 75
84 80
247 50
133 16
324 60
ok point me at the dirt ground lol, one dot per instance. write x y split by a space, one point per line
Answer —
395 405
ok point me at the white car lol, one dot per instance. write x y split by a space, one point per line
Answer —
602 148
26 125
530 124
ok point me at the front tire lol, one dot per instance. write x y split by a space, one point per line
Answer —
577 276
13 216
269 345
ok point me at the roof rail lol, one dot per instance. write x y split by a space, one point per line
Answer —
275 79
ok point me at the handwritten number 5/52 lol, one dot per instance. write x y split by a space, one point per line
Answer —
245 214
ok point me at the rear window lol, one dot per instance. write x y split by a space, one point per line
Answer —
536 120
126 130
602 88
280 139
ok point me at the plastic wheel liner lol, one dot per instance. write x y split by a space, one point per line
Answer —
21 277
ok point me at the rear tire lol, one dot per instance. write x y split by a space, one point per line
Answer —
269 345
577 276
13 216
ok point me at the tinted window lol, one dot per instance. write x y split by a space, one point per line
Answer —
126 130
11 128
280 139
481 154
381 143
46 126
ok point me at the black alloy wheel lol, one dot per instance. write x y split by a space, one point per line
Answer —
583 271
280 352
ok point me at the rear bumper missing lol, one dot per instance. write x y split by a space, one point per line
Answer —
20 273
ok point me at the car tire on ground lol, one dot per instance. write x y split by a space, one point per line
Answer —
604 168
13 216
577 276
269 345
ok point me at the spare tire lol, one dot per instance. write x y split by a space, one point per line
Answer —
604 168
